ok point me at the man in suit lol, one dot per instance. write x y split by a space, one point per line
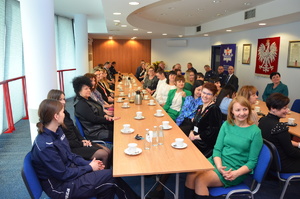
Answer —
232 79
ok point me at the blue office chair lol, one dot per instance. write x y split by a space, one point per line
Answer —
276 168
81 131
263 164
296 106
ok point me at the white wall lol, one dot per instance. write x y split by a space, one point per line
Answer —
198 52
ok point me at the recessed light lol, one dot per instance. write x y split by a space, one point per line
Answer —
262 24
123 26
216 1
135 29
149 32
117 21
164 34
228 30
110 37
117 13
133 37
205 35
180 35
134 3
247 4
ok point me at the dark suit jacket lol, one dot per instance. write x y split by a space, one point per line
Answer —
234 81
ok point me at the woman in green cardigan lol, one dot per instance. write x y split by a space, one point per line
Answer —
176 98
275 87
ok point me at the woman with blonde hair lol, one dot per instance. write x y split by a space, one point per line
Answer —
190 78
250 93
150 82
235 153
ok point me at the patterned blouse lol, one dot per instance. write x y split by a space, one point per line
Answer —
188 109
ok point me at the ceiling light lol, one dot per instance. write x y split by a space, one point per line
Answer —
216 1
110 37
164 34
135 29
134 3
123 26
205 35
133 37
117 21
180 35
149 32
228 30
247 4
117 13
262 24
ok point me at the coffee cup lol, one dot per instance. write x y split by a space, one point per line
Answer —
122 93
125 104
257 109
179 142
165 124
146 97
144 91
119 99
291 121
126 128
139 114
132 148
139 88
257 102
159 112
151 102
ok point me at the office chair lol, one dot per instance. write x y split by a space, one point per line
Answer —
296 106
263 164
276 168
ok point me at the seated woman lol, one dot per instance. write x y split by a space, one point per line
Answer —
216 81
102 89
96 124
150 82
79 145
63 174
189 107
190 78
176 98
250 93
277 133
142 73
224 98
235 153
162 88
275 87
207 121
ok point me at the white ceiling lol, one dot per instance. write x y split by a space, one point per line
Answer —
173 17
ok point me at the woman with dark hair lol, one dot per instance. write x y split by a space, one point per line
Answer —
150 82
235 153
277 133
97 125
224 98
189 108
63 174
275 87
207 121
79 145
176 98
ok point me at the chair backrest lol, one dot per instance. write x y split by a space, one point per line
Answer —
79 126
276 164
296 106
263 163
30 178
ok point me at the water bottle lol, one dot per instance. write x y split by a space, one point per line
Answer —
155 137
148 140
160 135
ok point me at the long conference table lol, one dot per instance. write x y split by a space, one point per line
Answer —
294 130
162 159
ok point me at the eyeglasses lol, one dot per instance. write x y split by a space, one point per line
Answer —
206 93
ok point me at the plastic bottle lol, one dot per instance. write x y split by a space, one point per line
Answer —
160 135
155 136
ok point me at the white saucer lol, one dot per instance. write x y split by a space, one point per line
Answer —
184 145
159 115
139 118
120 101
169 127
122 95
125 106
131 130
138 151
152 104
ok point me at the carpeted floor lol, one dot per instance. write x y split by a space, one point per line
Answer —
14 146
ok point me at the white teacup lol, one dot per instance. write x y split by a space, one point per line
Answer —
132 148
126 128
151 102
165 124
159 113
125 104
144 91
257 109
122 93
179 142
146 97
139 114
291 121
139 88
119 99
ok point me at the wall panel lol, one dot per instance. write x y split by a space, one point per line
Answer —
127 53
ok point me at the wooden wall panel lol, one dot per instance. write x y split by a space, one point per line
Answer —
127 53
